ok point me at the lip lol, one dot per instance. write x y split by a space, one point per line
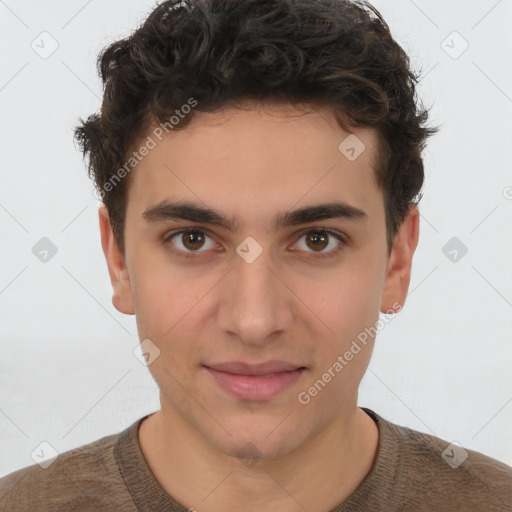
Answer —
255 382
241 368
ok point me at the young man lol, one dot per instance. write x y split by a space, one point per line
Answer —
259 164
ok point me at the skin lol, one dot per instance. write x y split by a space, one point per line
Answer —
289 304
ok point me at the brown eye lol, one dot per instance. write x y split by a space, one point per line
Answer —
317 241
320 242
192 240
189 241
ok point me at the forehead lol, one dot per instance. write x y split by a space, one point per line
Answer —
257 160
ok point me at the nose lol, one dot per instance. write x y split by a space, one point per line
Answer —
256 306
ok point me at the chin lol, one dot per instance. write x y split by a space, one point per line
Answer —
251 442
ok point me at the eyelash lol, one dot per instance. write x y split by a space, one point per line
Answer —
193 255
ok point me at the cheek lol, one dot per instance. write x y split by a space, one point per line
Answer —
348 301
161 298
164 308
170 311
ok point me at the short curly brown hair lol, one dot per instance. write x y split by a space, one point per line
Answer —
334 53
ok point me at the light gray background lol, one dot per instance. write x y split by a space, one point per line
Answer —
68 375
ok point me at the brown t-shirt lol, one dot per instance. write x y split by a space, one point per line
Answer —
411 472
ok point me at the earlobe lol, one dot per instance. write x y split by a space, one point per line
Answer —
118 272
398 274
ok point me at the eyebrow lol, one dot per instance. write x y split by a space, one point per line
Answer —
194 212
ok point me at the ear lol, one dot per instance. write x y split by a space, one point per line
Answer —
398 273
122 292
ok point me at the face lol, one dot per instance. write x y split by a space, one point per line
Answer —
250 238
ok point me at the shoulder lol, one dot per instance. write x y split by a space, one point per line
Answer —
84 478
447 476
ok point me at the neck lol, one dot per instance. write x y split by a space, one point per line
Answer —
317 476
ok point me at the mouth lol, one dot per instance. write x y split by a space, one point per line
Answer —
255 382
